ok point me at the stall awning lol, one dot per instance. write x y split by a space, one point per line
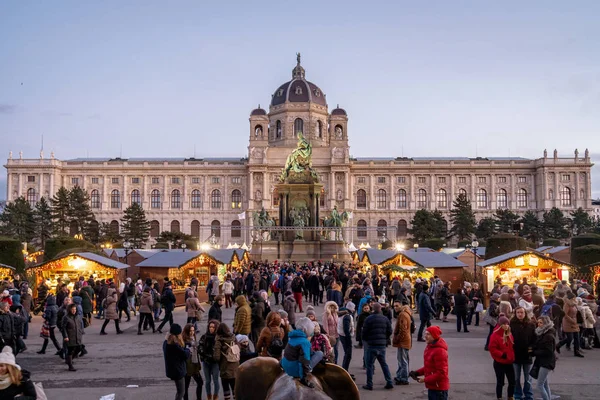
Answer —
7 266
433 259
177 259
104 261
525 259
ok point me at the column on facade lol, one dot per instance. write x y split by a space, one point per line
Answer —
40 185
473 195
391 191
544 195
577 202
371 195
556 201
184 195
205 202
51 189
104 194
331 189
267 194
512 202
412 195
432 199
350 195
126 196
145 192
493 192
250 189
451 191
165 198
20 189
9 187
533 194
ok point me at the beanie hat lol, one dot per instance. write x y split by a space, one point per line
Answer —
282 313
311 312
350 306
435 332
495 296
7 357
503 320
175 329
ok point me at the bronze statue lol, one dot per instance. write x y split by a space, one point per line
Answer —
300 160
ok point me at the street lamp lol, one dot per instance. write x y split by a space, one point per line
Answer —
183 246
474 246
127 246
416 247
399 246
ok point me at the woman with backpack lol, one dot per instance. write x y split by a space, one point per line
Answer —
227 354
176 355
209 364
266 346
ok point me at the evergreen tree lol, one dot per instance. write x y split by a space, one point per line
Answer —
60 212
505 220
441 223
17 220
43 221
555 224
581 221
462 218
425 226
486 228
135 226
532 227
79 213
107 234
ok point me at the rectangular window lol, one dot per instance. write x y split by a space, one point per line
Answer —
195 180
216 179
95 181
236 180
381 179
421 179
501 179
115 181
361 179
565 178
75 181
155 181
31 178
401 179
462 179
481 179
175 180
441 179
522 179
135 180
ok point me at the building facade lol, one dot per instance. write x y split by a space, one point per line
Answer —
210 195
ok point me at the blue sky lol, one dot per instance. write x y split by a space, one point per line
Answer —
437 78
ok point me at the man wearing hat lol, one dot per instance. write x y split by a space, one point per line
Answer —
435 366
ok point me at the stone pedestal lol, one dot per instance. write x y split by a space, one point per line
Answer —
300 251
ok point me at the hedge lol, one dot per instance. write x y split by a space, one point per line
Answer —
585 255
551 242
584 240
505 243
434 244
59 245
11 253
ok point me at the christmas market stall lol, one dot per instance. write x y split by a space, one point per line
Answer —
595 271
446 267
538 268
70 267
181 266
6 271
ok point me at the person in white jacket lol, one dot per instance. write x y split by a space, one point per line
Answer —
228 291
587 327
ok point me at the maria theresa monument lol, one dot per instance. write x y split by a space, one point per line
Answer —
298 141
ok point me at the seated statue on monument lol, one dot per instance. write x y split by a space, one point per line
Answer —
261 219
298 166
336 220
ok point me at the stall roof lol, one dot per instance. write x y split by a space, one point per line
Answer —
7 266
556 249
459 251
543 248
147 253
169 259
105 261
418 250
108 252
377 256
518 253
433 259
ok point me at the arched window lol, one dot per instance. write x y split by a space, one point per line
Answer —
502 198
278 129
319 129
236 229
361 229
236 199
298 126
381 228
215 228
155 199
195 229
361 199
441 199
95 198
115 199
463 192
522 198
381 199
422 198
482 201
565 196
135 197
31 197
215 199
275 198
114 226
401 199
176 199
196 199
175 226
551 194
339 132
402 229
258 131
154 228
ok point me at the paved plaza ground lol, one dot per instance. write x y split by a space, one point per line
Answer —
116 361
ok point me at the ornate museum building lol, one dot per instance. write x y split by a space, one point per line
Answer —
200 196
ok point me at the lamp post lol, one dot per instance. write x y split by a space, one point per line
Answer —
183 246
416 247
127 246
474 245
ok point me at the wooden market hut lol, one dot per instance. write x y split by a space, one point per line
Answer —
446 267
71 266
6 271
595 271
538 268
181 266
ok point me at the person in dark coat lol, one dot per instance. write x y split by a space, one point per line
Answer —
72 332
215 311
461 307
87 301
168 301
258 317
176 355
425 311
523 331
312 284
50 319
543 350
376 332
102 293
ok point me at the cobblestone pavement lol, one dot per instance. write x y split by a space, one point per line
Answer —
114 362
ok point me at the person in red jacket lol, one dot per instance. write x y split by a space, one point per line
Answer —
503 353
435 365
